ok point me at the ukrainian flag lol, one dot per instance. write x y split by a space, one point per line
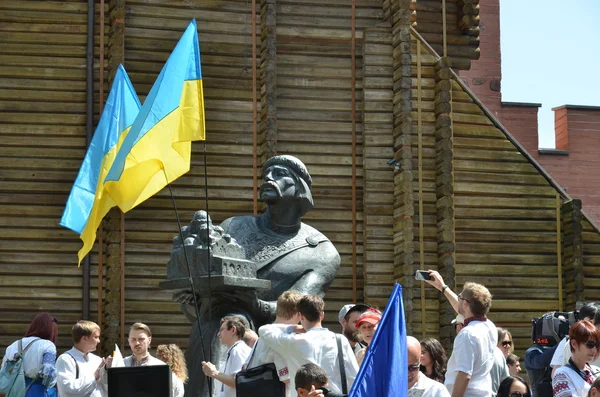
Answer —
88 202
158 147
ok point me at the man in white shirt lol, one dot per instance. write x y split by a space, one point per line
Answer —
230 334
419 385
311 343
286 315
78 369
469 366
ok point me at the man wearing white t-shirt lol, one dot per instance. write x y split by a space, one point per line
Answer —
79 369
230 334
286 315
311 343
420 385
469 366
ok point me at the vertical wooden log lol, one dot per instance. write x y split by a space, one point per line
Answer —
111 329
404 256
444 191
268 79
378 189
572 253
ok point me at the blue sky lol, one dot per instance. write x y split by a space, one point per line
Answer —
550 55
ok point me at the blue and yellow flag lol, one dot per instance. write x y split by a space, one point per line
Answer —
158 147
384 370
88 202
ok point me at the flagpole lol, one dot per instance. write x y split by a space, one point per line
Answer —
210 383
187 263
190 278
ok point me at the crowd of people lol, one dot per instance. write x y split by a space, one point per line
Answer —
312 361
79 372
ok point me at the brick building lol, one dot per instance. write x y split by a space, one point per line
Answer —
575 163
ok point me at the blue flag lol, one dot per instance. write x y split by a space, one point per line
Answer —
384 371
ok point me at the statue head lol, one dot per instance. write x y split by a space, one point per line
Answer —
286 178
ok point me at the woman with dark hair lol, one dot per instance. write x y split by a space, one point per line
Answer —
433 360
576 377
513 386
40 357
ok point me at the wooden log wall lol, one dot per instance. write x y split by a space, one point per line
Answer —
506 228
426 301
508 217
42 130
312 121
152 29
378 194
572 253
591 261
404 256
444 190
462 30
478 188
314 116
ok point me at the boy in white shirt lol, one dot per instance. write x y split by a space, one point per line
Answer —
230 334
79 369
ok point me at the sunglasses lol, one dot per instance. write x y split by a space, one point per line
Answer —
590 344
414 368
460 298
506 343
518 394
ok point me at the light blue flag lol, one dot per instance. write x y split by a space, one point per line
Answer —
384 371
87 203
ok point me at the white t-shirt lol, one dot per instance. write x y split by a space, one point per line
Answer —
473 354
427 387
262 354
565 349
33 361
317 346
68 384
235 357
568 383
177 387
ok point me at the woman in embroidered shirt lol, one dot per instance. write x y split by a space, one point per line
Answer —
173 356
40 357
576 377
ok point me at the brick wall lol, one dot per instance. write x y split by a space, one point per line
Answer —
578 131
575 163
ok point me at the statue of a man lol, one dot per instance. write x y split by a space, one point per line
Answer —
289 253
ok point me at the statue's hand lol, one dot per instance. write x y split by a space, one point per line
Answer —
185 297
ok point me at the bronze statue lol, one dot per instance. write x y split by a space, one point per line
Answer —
278 247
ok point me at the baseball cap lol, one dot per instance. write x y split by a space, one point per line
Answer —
458 320
371 316
359 307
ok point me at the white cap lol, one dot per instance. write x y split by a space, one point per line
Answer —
344 310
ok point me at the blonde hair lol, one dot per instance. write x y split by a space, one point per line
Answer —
83 328
141 327
479 297
286 304
172 355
